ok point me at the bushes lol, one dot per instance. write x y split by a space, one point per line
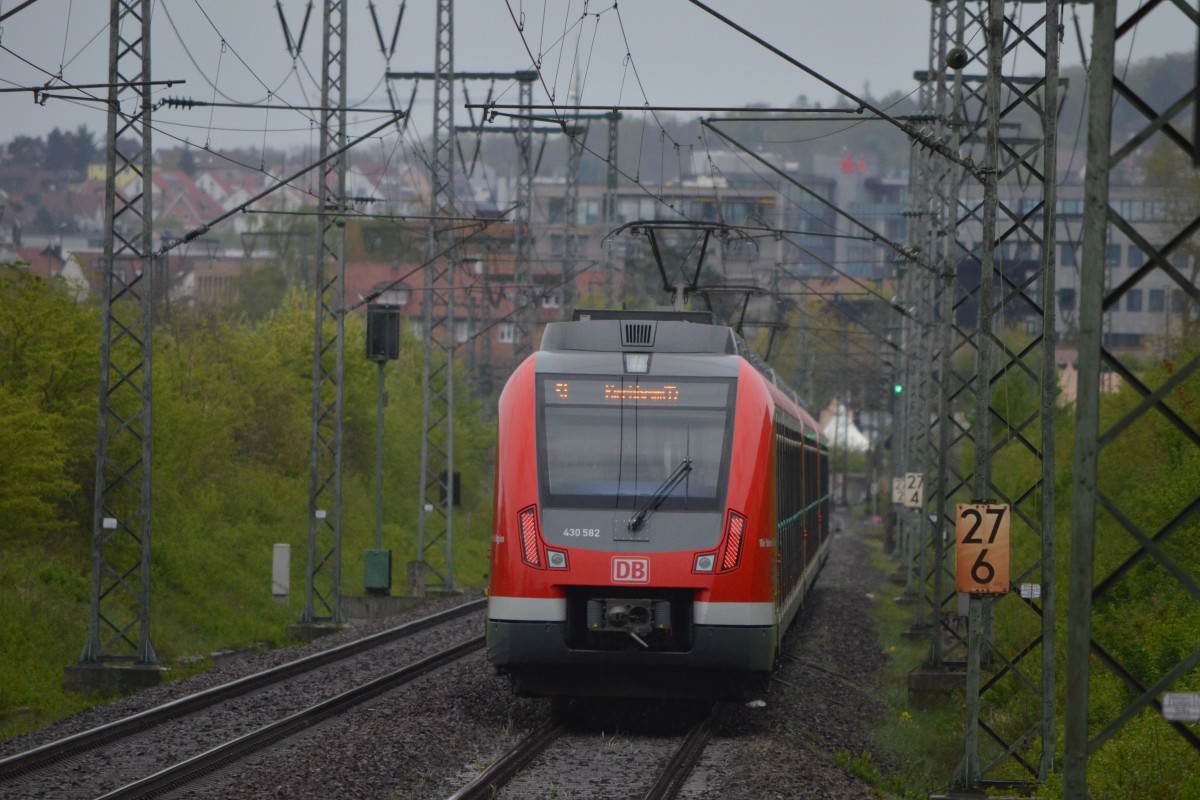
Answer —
49 348
1147 616
232 425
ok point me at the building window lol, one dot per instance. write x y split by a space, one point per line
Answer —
507 332
552 300
1135 257
587 212
1156 301
627 211
1068 255
1130 340
1133 300
701 209
1112 255
579 242
1177 301
1066 299
1070 208
462 332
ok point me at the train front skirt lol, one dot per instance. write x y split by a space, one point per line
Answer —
605 645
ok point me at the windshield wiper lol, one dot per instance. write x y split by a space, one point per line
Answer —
660 494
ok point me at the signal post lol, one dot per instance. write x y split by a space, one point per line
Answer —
981 544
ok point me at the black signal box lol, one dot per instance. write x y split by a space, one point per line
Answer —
383 333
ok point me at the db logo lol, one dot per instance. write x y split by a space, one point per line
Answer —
630 570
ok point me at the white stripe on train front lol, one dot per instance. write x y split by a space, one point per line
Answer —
537 609
528 609
734 613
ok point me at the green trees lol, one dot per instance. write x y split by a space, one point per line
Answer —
71 151
48 392
32 461
232 424
62 151
1147 614
48 356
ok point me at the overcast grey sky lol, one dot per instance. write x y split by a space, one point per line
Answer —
677 55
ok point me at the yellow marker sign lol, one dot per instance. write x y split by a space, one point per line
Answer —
914 490
981 537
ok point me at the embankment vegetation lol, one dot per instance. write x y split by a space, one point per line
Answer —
1145 618
232 423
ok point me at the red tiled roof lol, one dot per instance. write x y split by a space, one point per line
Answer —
46 262
178 196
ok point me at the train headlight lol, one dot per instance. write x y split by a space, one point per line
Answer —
705 562
556 559
637 362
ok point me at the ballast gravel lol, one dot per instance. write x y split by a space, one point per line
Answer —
427 739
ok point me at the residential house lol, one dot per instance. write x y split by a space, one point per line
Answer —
179 201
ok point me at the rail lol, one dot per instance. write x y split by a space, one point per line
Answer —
93 738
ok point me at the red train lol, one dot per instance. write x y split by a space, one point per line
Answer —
661 510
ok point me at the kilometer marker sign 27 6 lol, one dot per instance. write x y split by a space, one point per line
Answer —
981 545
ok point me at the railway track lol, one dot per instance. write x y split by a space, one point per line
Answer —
185 772
112 734
429 738
666 782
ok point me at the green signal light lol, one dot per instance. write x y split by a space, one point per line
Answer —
897 388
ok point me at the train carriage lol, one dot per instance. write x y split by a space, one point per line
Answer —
661 509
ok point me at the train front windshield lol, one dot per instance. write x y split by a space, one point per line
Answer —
613 442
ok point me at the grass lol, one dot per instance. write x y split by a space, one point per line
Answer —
923 741
232 414
211 592
43 628
863 767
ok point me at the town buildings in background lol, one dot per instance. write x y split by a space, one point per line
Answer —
776 240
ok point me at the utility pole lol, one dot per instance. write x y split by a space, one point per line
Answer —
616 284
969 771
323 593
435 528
1078 715
576 139
119 615
435 532
525 297
1156 701
1012 244
929 221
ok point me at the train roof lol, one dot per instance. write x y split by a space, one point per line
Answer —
662 331
666 332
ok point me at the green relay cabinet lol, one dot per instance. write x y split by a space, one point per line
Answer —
377 571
